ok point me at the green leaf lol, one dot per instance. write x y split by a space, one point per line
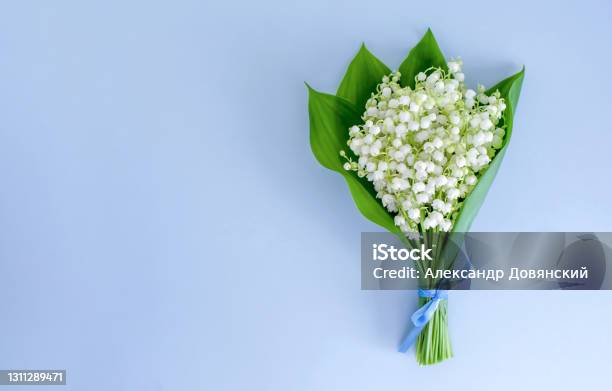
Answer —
330 118
424 55
510 89
361 78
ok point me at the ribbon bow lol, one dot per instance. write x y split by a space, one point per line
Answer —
423 315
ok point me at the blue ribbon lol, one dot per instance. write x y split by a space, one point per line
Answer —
423 315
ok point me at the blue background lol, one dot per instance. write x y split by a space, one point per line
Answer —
164 226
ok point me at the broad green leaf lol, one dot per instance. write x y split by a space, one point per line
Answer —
330 118
424 55
510 89
361 78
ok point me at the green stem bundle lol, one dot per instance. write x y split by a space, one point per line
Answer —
433 344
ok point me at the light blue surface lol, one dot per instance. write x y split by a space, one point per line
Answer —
163 225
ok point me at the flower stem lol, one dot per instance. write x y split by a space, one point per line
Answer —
433 344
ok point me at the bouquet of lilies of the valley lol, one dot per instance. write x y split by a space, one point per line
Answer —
419 151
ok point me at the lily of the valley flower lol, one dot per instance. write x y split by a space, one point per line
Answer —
423 148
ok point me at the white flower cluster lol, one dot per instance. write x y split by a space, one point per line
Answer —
423 148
